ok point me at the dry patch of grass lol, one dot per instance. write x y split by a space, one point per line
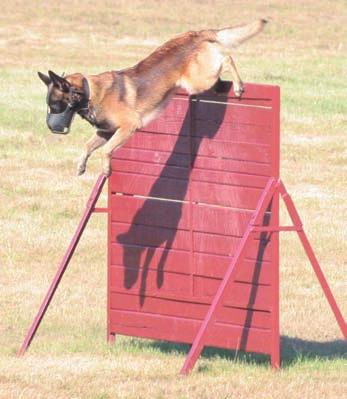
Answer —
41 201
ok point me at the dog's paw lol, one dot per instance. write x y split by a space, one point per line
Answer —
238 90
81 168
106 170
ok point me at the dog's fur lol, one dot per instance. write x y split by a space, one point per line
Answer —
122 101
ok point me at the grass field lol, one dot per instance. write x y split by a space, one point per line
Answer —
304 51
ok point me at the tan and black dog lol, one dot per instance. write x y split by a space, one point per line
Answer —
117 103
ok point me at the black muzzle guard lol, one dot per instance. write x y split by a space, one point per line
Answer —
60 123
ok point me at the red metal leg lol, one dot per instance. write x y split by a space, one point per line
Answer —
275 286
210 317
63 264
111 338
316 267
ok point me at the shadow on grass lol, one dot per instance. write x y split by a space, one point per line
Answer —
293 350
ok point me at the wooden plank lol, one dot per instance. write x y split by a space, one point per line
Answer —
189 310
134 257
219 220
233 165
177 189
146 168
226 195
184 330
259 93
163 125
201 147
205 243
233 113
250 271
233 132
241 295
231 178
177 108
149 236
152 156
176 260
149 186
159 142
183 160
144 282
227 150
216 244
153 212
149 212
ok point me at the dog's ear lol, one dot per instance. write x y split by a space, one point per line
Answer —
86 88
59 81
45 79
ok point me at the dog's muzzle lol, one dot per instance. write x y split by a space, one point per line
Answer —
60 123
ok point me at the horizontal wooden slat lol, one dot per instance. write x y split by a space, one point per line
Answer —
145 282
233 113
218 220
152 156
198 242
184 330
150 212
135 257
232 132
199 289
177 189
177 108
216 244
149 236
233 165
217 194
189 310
227 150
203 175
252 152
182 262
183 160
149 186
249 271
176 215
159 142
231 178
260 93
238 294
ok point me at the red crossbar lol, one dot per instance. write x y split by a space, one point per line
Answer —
94 196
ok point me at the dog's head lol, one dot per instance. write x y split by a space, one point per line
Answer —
65 96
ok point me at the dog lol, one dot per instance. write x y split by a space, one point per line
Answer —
117 103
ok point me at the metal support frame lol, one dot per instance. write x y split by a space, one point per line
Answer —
90 208
273 187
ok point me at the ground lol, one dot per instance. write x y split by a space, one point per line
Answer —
304 51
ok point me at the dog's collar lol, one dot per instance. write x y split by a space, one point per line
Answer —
86 88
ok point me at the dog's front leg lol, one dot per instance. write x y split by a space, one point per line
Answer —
97 140
120 137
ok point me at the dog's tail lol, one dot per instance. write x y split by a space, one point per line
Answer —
234 36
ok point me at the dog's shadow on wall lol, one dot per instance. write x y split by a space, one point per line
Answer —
135 267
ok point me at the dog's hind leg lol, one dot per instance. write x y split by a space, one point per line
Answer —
97 140
229 65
